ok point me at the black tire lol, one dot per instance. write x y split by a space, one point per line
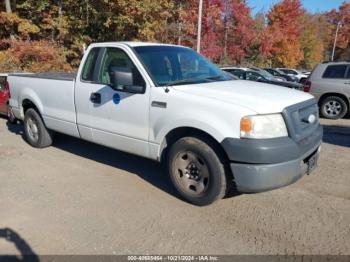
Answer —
33 122
209 171
333 107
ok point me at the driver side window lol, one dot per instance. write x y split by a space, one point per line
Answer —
115 57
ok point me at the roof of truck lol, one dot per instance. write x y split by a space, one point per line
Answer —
133 44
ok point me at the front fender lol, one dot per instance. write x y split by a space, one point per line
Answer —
207 122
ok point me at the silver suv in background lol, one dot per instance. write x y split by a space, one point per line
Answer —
330 84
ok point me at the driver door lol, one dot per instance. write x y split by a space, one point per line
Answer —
108 116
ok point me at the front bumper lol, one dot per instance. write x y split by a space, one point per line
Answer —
251 178
262 165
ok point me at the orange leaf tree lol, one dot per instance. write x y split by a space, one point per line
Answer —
284 25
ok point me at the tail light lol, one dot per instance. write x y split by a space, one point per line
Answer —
7 88
307 86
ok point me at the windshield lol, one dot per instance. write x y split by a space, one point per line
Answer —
172 65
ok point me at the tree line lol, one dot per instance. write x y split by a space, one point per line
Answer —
50 35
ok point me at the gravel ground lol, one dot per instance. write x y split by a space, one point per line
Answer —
79 198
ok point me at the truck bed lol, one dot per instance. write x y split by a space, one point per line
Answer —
52 76
51 93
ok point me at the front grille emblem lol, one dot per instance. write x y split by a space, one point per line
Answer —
310 120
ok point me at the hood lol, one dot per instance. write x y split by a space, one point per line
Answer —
259 97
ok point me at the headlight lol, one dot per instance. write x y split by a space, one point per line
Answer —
263 126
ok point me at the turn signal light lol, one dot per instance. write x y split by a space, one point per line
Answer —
246 125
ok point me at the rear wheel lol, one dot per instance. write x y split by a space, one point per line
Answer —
333 107
36 133
196 171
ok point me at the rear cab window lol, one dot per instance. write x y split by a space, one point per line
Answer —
335 72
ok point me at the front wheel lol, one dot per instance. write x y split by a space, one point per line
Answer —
36 133
196 171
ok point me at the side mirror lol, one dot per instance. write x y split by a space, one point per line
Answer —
122 79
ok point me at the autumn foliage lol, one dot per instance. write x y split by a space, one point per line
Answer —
50 35
36 56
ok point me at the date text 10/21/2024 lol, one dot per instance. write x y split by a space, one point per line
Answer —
173 258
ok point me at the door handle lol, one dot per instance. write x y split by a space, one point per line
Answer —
347 83
95 98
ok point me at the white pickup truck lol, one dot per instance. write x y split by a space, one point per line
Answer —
168 103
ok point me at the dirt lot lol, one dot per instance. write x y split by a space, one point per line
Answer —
80 198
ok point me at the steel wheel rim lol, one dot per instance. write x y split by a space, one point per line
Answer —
191 173
333 108
32 129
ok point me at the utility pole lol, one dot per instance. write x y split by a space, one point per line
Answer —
335 39
199 31
179 25
8 6
226 30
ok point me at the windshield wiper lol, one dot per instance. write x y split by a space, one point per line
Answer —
218 77
192 80
184 81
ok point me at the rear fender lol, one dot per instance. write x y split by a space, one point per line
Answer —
30 95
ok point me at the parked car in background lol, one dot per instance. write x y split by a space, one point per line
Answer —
293 72
278 73
4 98
267 74
330 84
252 75
168 103
306 72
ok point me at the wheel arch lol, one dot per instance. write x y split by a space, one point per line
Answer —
27 104
30 101
179 132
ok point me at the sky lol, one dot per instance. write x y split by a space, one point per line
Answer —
310 5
